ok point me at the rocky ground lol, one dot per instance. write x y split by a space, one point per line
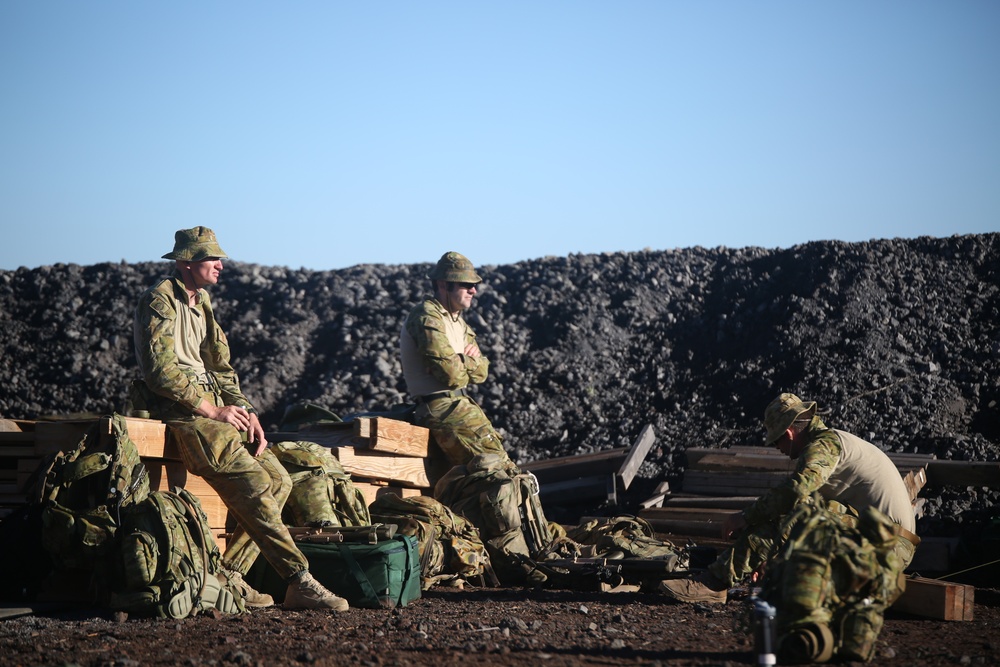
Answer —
485 627
899 341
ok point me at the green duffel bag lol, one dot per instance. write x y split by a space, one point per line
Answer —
375 576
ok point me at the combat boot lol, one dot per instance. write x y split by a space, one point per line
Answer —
251 597
700 588
304 592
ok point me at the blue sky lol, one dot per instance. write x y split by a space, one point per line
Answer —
328 134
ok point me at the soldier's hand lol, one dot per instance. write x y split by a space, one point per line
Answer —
236 415
734 523
255 436
472 350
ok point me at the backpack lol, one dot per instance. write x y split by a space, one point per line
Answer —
322 493
84 492
633 536
449 546
831 582
504 505
167 561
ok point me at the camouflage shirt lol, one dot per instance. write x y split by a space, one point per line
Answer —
430 360
155 330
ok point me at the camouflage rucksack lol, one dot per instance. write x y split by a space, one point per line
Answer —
504 507
450 547
631 536
831 582
85 491
167 562
322 493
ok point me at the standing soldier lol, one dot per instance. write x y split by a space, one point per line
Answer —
441 358
188 382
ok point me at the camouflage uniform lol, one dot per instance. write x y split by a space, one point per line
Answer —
253 489
816 472
431 362
831 583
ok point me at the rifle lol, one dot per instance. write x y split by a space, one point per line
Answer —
326 534
611 572
329 534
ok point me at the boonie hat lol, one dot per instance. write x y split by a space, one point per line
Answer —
455 268
781 412
194 245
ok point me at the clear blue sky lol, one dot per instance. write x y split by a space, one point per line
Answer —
324 134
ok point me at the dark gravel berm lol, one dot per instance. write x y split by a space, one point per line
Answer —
898 339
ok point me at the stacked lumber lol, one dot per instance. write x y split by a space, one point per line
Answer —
381 455
569 480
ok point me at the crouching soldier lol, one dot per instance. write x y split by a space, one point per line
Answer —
838 465
831 582
188 382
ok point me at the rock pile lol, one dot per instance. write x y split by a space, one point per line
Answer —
899 341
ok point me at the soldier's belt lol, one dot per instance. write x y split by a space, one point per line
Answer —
908 536
454 393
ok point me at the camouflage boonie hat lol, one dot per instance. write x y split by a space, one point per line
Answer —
781 412
194 245
455 268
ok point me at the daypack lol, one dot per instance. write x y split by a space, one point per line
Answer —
630 536
167 561
322 493
450 547
504 506
831 582
84 492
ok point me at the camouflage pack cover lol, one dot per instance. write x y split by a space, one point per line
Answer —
503 505
449 545
322 493
831 583
168 563
84 492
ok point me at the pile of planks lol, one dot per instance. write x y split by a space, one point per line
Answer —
586 478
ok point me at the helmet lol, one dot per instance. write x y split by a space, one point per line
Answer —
195 245
454 268
781 412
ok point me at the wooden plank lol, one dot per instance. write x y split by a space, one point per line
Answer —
636 455
721 502
689 528
391 435
11 451
564 468
58 436
26 469
729 462
406 470
16 426
581 489
373 490
151 437
708 514
935 554
722 483
942 472
941 600
16 439
165 475
340 434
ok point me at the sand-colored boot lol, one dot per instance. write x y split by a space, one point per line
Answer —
304 592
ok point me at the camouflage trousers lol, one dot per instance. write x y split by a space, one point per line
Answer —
460 428
756 546
253 489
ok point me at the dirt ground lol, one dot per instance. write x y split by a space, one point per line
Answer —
484 626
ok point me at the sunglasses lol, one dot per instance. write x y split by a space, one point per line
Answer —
467 286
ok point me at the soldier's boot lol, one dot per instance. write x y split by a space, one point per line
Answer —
304 592
251 597
702 587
